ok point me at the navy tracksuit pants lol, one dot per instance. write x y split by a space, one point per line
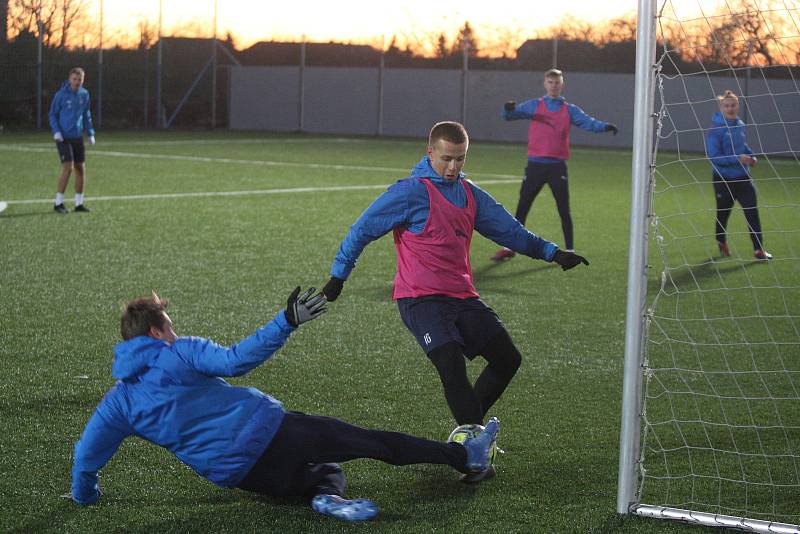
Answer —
303 457
743 191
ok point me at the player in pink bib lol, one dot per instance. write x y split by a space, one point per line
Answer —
432 215
548 150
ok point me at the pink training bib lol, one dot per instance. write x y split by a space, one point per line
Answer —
548 135
436 261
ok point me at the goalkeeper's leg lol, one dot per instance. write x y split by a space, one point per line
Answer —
724 198
746 195
503 361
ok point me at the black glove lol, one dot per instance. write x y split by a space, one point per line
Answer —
302 309
333 288
611 127
568 260
510 106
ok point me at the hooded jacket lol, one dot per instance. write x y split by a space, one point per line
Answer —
726 140
406 204
69 112
171 395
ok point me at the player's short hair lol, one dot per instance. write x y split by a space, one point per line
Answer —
77 70
140 314
451 131
727 94
554 73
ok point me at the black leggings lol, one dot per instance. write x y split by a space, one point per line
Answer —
742 190
302 459
470 404
555 176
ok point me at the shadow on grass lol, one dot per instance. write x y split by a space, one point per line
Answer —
704 271
11 215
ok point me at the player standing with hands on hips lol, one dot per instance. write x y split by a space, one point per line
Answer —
432 215
548 150
69 117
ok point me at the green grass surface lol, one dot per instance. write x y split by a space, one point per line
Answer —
227 264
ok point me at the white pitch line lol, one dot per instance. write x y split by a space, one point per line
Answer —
3 206
267 163
158 196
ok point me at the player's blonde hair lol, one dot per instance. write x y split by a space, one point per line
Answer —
726 95
554 73
77 70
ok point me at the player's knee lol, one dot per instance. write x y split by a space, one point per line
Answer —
449 362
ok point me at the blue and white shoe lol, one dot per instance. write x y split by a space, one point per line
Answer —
479 448
345 509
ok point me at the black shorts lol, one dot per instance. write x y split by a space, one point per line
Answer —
71 150
437 319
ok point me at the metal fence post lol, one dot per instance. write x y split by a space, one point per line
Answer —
301 89
39 75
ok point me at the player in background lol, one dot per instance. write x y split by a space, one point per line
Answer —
69 117
168 392
432 215
548 150
731 158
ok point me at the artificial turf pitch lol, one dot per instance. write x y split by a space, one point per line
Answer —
187 215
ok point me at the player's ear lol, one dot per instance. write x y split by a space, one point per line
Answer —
430 151
156 333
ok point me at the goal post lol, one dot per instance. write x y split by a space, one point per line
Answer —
710 422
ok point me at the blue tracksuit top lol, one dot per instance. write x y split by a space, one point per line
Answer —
406 204
171 395
726 140
577 117
69 113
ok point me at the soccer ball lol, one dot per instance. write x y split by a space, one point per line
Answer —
462 433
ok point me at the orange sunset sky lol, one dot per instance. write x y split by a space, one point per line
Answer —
358 21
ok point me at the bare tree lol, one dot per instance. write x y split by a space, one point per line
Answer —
68 12
56 17
465 35
147 34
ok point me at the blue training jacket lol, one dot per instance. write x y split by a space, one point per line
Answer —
171 395
69 112
577 117
726 140
406 204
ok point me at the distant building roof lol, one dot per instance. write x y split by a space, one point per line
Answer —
336 54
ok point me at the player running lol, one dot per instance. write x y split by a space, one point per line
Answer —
548 150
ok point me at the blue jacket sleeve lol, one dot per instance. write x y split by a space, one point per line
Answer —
494 222
715 149
386 212
586 122
523 110
52 116
212 359
87 118
100 440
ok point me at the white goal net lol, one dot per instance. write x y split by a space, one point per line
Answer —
719 439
